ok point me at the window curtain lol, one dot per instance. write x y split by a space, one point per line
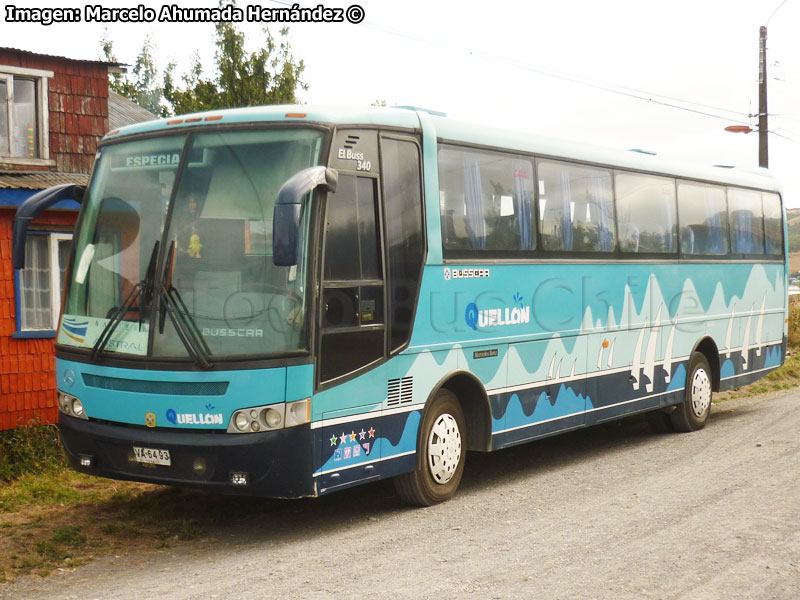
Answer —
476 225
602 200
35 310
742 234
715 230
522 201
566 215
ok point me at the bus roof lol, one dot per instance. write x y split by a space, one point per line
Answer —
464 132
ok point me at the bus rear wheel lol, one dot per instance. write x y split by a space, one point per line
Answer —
692 413
441 451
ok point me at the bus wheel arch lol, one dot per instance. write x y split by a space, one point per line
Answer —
708 348
474 403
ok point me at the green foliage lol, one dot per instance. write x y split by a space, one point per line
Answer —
794 326
269 75
32 448
141 85
793 218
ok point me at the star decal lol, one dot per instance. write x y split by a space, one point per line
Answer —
333 440
343 437
352 436
362 434
371 432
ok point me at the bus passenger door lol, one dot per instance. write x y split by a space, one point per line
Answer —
351 340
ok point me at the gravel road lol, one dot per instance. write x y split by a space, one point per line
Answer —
616 512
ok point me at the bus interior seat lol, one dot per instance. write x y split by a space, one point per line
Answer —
630 239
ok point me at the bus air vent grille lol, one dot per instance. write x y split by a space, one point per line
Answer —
174 388
400 391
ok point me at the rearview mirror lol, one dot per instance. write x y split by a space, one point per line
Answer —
33 207
288 210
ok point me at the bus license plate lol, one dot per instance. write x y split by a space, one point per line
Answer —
152 456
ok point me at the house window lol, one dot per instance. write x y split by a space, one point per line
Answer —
39 283
23 114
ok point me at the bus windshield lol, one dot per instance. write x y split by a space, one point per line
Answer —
200 208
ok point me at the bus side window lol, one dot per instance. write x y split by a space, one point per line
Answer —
485 201
703 217
646 206
576 209
747 221
402 199
773 223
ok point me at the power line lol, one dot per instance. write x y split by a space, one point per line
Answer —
577 79
563 75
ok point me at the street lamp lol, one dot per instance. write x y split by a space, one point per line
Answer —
739 128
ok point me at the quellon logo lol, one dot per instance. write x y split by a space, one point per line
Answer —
193 418
497 317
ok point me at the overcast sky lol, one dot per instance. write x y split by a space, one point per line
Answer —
485 61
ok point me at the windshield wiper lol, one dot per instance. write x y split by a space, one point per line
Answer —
173 305
143 290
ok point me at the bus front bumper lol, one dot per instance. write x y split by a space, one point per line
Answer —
274 464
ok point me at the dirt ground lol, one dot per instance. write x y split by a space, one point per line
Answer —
616 511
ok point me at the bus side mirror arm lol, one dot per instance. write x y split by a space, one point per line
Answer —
33 207
288 208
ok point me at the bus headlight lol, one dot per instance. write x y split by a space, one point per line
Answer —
241 421
270 417
72 406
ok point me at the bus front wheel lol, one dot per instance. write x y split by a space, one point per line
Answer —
692 413
441 451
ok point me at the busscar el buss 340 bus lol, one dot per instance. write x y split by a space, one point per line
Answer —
286 301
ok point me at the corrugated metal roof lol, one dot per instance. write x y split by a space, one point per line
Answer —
122 112
28 180
82 60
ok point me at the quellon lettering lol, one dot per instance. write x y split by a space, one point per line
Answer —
495 317
198 419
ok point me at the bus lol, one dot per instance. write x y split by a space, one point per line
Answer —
287 301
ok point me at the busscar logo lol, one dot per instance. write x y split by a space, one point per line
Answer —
150 419
470 273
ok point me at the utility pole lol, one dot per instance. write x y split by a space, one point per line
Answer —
763 128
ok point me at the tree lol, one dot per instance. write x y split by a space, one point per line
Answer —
140 85
269 75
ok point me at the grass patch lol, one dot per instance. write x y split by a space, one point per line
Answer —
31 448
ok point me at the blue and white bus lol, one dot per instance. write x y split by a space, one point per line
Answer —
287 301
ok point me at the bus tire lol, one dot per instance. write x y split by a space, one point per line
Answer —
441 454
692 413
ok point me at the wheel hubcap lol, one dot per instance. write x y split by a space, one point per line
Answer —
444 448
701 393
